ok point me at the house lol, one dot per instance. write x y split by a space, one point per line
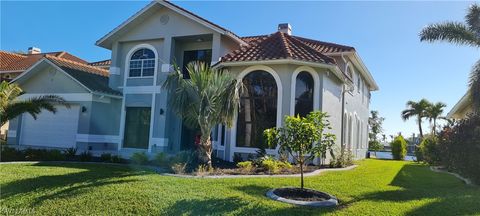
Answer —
463 108
285 74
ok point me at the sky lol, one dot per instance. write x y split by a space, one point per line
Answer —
385 34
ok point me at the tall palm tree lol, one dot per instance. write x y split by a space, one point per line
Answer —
434 112
208 98
11 106
459 33
418 109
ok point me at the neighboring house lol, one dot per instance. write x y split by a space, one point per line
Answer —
463 108
284 75
105 64
13 64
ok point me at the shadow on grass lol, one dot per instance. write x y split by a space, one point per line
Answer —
70 184
449 196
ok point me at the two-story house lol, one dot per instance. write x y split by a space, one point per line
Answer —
286 75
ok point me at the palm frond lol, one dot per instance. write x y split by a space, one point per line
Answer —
453 32
33 106
473 19
474 83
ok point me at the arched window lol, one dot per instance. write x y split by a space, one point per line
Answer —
142 63
303 94
258 109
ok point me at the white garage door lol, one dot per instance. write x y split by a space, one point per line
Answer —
52 130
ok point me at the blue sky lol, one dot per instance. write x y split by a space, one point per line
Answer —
384 33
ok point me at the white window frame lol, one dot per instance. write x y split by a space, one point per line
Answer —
128 59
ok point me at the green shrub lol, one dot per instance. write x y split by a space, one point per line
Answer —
85 156
54 155
399 148
342 160
245 166
284 165
139 158
161 159
106 157
179 168
428 151
116 159
203 170
11 154
237 157
70 153
271 166
374 145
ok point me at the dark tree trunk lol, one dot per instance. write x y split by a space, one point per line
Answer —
420 126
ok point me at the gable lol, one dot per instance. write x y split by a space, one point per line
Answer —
149 23
44 78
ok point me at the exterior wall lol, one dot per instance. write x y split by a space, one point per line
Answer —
168 41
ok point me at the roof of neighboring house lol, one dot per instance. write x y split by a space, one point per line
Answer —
93 78
103 63
20 62
461 105
281 46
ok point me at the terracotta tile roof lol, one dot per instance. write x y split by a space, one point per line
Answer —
101 63
276 46
21 62
94 78
325 47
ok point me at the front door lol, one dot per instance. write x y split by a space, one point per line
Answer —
137 127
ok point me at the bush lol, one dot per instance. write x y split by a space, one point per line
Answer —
161 159
106 157
342 160
11 154
459 147
399 148
245 166
70 153
85 156
179 168
54 155
188 158
428 151
203 170
271 166
116 159
139 158
374 145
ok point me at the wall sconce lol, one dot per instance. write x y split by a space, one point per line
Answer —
84 109
161 111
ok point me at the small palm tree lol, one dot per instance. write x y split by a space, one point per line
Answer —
208 98
11 106
418 109
434 112
459 33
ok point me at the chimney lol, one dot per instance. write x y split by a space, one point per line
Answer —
34 50
285 28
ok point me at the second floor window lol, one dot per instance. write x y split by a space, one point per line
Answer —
142 63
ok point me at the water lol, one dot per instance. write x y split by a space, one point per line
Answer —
388 155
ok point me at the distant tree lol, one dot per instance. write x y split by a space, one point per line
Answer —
434 112
375 124
399 148
418 110
459 33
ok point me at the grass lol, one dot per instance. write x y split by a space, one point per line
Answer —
376 187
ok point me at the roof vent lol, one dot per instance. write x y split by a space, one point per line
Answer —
285 28
34 50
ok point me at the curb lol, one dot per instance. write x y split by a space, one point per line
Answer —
327 203
465 180
313 173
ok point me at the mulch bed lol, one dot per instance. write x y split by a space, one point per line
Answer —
301 194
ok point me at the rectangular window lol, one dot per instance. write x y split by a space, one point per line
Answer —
195 55
137 127
223 134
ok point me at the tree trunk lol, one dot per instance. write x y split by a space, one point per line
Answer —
420 126
206 146
434 132
301 174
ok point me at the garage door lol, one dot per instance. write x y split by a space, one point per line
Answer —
52 130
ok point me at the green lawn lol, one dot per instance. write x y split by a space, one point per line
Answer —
376 187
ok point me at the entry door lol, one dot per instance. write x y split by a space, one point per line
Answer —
137 127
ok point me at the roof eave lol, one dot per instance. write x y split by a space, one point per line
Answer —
363 68
461 104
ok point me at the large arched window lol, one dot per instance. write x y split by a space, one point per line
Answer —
258 109
303 94
142 63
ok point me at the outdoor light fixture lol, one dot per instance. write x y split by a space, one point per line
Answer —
84 109
161 111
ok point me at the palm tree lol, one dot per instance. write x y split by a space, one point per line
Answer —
434 112
208 98
11 106
418 109
459 33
